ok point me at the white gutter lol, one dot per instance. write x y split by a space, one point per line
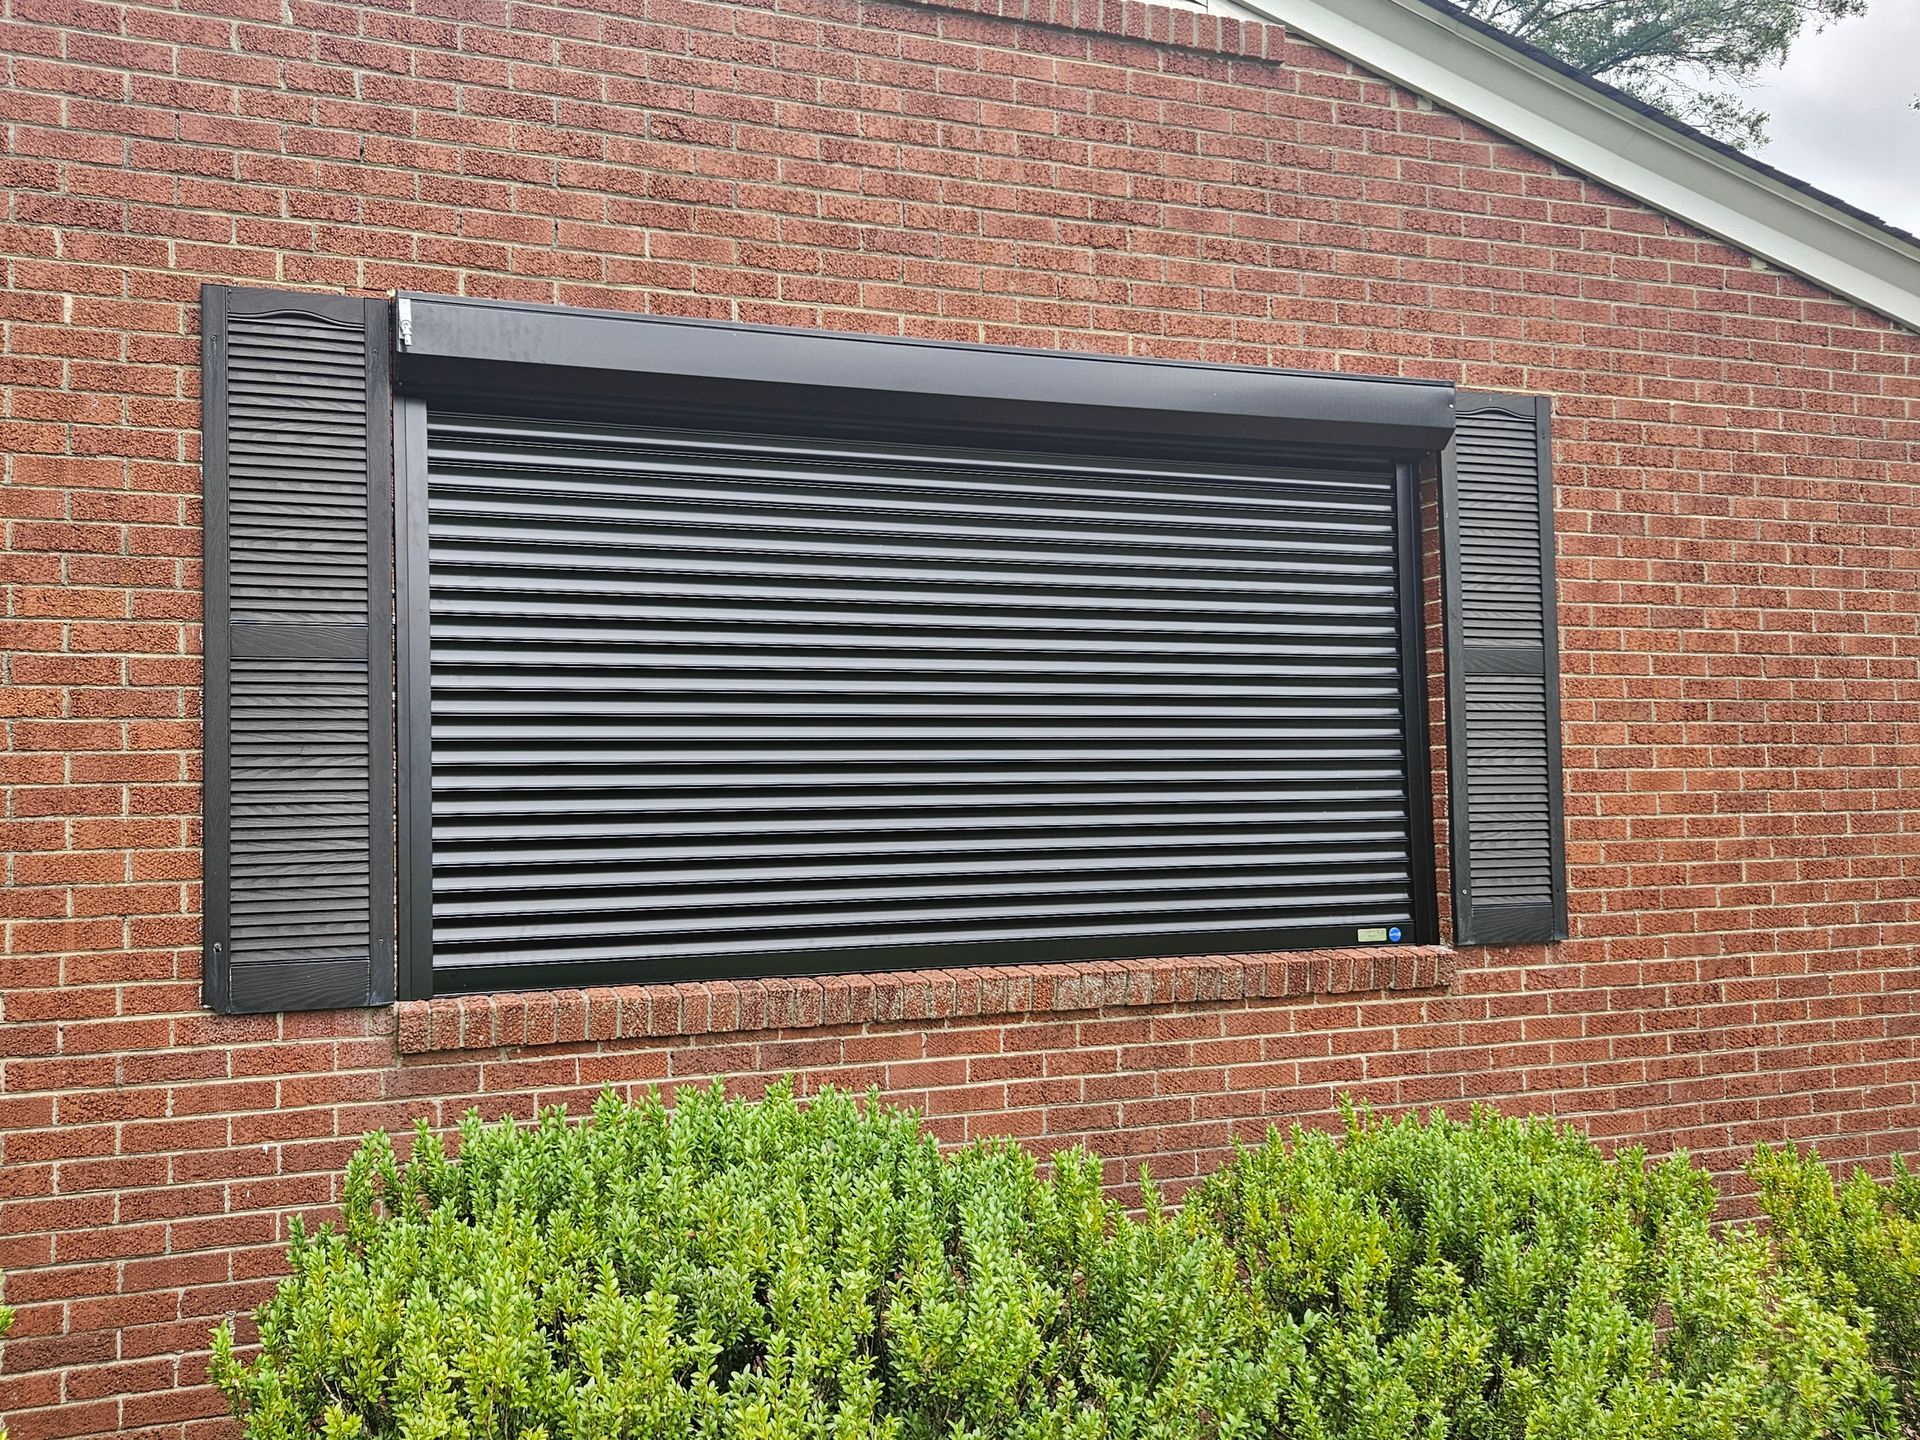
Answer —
1475 75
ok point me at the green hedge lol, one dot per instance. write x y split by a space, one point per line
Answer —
1856 1246
773 1271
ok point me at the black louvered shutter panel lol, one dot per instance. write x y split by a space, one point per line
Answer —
297 462
1503 688
707 703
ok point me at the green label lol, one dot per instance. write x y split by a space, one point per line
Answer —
1373 936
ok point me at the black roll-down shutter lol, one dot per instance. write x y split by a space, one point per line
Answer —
298 642
715 702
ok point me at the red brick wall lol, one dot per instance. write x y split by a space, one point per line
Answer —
1739 489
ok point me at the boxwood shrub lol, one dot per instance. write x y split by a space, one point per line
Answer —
1855 1244
780 1271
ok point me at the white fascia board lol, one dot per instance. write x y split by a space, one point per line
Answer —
1476 75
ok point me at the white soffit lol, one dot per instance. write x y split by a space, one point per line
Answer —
1471 73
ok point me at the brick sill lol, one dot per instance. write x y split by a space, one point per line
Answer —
718 1007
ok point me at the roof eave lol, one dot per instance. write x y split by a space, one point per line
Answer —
1482 77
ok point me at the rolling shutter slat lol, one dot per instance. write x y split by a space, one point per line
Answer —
298 800
704 703
1502 674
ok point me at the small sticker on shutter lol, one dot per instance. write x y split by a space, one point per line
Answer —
1370 937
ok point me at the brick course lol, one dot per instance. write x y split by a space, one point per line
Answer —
1738 465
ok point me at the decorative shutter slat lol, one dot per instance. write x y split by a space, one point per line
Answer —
1503 692
707 703
299 803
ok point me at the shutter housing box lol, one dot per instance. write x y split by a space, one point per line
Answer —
298 790
508 352
1503 673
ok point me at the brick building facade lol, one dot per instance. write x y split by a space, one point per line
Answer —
1737 456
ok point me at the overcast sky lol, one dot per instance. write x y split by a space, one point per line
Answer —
1840 111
